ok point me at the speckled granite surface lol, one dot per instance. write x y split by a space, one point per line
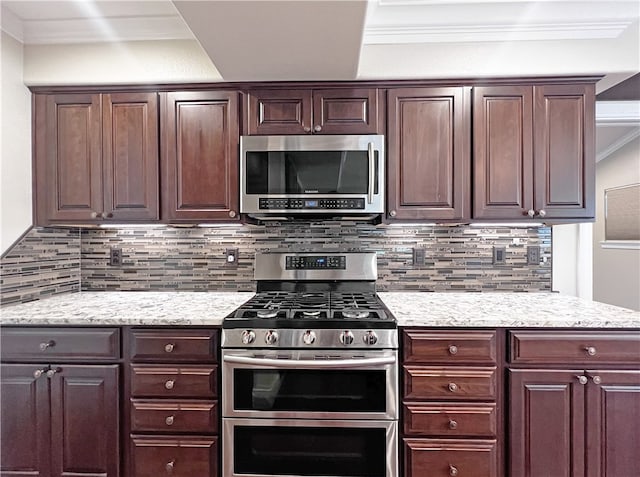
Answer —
411 309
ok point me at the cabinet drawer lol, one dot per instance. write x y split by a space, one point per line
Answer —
449 347
585 347
450 457
60 343
174 456
166 381
421 382
450 420
197 417
174 345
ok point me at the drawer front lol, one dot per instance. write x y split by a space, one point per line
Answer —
450 420
449 347
182 381
60 343
584 347
450 457
197 417
423 382
174 345
174 456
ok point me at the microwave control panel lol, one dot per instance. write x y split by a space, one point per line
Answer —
311 204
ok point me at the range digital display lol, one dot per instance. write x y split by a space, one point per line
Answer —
316 262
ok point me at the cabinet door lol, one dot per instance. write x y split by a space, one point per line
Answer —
24 414
613 416
280 111
564 119
200 157
68 152
130 156
503 152
345 111
546 428
428 154
85 421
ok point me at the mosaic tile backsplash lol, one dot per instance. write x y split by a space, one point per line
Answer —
458 258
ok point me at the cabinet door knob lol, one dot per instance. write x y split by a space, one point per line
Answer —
232 213
107 216
169 384
96 215
169 420
453 471
453 349
52 372
597 380
169 347
453 387
169 467
542 213
306 129
591 351
46 345
453 424
392 213
531 213
582 379
39 372
317 128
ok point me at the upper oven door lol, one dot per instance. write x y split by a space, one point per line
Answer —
312 168
299 384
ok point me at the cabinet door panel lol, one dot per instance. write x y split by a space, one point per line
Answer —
200 158
613 415
131 161
345 111
85 421
564 153
274 111
503 151
428 153
25 422
547 423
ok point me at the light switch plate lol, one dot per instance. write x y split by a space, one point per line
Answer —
533 255
499 255
419 255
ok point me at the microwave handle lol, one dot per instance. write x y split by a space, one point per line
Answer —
372 176
310 364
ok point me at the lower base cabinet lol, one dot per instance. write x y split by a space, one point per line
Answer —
174 456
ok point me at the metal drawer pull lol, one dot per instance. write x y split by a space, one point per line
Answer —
453 349
582 379
169 384
453 471
597 380
39 372
169 347
453 387
47 345
591 351
169 466
169 420
310 364
453 424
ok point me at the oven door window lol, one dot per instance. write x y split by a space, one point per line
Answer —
309 172
310 451
310 390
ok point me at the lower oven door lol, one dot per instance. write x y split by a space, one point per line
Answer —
304 448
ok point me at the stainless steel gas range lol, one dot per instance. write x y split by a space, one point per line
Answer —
310 372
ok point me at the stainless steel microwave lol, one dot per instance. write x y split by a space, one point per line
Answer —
332 174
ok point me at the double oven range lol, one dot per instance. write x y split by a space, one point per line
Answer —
309 372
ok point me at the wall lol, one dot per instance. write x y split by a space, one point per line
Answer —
15 161
616 272
572 246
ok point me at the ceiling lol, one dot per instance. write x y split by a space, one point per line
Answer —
262 40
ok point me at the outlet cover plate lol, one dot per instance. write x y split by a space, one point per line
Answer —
499 255
419 256
115 256
533 255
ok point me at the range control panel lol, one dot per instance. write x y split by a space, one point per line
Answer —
310 204
315 262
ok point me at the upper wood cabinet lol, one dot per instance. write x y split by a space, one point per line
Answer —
306 111
200 137
96 157
534 152
428 155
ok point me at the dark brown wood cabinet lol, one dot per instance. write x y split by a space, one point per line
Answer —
428 156
533 154
95 157
200 137
313 111
60 419
579 419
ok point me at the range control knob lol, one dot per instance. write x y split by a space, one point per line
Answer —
370 338
346 337
309 337
248 337
271 337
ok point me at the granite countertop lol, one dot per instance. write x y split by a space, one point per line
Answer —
411 309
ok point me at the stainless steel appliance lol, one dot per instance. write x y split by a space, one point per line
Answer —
340 174
310 372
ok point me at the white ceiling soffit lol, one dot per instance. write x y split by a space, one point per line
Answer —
279 40
617 124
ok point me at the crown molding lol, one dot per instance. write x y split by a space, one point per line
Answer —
11 24
620 142
618 113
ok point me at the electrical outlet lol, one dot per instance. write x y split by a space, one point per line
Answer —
115 256
419 255
231 260
533 255
499 255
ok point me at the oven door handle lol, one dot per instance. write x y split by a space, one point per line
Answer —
310 364
372 183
